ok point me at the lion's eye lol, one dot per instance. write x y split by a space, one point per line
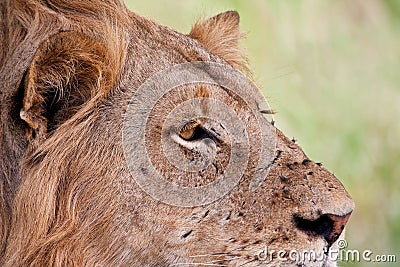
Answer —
192 131
187 134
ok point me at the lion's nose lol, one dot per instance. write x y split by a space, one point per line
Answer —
329 226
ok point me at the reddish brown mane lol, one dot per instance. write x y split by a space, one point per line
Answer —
34 20
24 26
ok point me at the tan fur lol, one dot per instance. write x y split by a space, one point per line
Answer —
221 36
68 71
28 24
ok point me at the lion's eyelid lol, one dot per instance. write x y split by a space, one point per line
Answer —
188 129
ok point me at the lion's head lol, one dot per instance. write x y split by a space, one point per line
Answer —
98 103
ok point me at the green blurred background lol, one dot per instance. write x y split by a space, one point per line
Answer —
331 69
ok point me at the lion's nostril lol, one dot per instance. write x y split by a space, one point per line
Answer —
329 226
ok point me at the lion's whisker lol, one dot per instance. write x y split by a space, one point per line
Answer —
247 262
197 264
207 255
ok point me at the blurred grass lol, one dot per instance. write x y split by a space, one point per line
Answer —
331 69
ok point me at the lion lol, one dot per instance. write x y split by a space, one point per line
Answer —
69 72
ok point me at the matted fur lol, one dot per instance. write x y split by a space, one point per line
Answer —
68 71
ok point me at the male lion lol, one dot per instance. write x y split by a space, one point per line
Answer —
70 78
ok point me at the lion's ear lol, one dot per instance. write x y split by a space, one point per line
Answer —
66 71
221 35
